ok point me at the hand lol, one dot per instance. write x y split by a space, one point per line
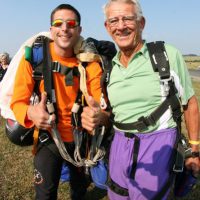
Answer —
193 164
39 115
91 115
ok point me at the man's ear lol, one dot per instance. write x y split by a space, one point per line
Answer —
142 23
107 26
80 29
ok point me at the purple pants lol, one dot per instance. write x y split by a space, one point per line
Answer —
153 164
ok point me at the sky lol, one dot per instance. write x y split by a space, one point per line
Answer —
176 22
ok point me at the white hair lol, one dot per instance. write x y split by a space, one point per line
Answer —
134 2
4 55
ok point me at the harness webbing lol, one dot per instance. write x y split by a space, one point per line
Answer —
143 122
135 156
117 188
159 59
47 71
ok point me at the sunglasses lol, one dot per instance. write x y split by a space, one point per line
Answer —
71 23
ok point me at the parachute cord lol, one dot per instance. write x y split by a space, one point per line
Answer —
61 147
100 151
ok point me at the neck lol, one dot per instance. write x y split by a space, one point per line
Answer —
127 54
65 53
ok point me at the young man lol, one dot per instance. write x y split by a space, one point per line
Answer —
65 32
141 160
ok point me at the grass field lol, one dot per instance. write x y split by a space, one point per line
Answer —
16 172
193 62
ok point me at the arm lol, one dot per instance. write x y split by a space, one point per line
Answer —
191 114
26 114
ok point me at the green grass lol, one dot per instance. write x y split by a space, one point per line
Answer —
16 172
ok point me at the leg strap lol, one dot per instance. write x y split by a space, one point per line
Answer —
117 188
135 156
135 152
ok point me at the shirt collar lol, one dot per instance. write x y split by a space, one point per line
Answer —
143 51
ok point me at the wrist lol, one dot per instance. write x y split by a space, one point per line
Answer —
194 142
104 118
195 148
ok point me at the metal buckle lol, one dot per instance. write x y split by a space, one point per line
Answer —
56 67
150 120
177 170
37 76
141 124
165 84
43 137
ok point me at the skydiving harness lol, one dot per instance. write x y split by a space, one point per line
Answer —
39 56
160 64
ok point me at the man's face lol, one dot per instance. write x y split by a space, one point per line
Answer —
64 30
123 26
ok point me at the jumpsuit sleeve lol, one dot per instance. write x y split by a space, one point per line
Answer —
94 73
23 89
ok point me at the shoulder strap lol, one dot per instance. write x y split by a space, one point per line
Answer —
39 57
159 59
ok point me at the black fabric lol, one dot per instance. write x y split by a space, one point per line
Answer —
103 47
2 72
47 171
47 71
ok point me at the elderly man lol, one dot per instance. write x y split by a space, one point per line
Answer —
141 153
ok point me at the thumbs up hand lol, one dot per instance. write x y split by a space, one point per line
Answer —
39 115
91 115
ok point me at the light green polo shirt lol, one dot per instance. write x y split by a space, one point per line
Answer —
136 91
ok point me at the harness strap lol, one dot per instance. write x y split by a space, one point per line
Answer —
135 156
143 122
47 71
159 59
69 72
35 140
117 188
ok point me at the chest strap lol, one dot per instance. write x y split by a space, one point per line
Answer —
69 72
143 122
